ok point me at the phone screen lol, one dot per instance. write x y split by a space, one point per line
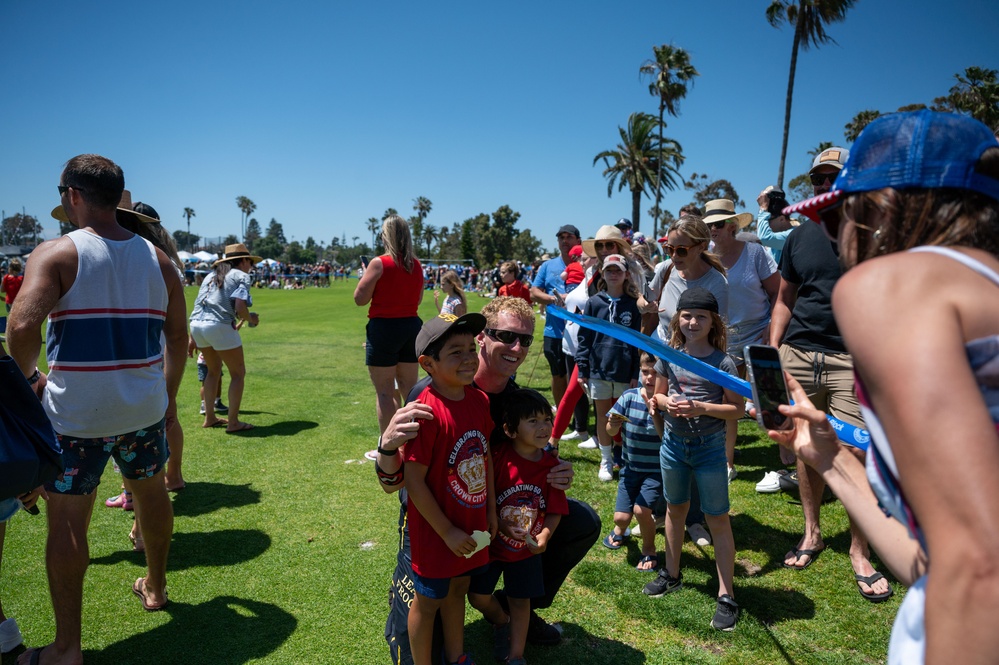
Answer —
769 388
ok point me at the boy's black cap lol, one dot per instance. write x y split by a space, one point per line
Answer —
434 328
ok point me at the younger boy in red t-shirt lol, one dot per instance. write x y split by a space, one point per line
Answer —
449 480
512 286
574 273
529 509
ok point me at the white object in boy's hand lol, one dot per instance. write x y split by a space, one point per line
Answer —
618 416
530 541
481 539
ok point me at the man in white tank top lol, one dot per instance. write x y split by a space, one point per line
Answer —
111 388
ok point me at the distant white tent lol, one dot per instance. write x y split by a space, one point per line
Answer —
268 262
186 256
204 256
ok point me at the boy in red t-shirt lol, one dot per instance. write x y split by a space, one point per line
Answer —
449 480
512 286
529 509
574 273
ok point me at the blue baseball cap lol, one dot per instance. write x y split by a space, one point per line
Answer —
915 150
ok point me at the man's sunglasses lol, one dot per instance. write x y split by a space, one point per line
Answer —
509 337
717 226
65 188
821 178
680 251
605 245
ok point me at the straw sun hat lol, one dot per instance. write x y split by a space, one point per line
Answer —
607 232
125 205
723 210
237 252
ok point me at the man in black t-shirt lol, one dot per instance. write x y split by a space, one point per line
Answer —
813 352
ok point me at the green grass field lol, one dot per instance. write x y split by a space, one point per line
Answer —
284 543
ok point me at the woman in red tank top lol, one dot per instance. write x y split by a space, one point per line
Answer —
393 285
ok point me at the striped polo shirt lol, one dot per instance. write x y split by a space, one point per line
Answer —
641 440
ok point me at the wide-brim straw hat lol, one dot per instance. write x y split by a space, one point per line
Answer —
125 205
237 252
722 210
607 232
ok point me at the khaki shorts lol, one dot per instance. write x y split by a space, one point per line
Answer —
827 379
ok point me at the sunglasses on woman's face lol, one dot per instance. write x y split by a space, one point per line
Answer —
604 245
510 337
680 251
717 226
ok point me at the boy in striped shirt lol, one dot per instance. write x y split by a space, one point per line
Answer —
640 485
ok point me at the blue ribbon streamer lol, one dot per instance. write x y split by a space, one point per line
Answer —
849 434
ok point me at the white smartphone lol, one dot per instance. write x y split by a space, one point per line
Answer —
766 376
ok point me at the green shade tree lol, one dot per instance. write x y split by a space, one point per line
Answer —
705 190
856 125
21 229
809 18
276 231
671 73
634 162
252 235
976 94
185 239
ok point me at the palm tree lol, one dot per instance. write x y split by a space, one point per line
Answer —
429 234
809 18
189 213
374 225
670 71
422 205
247 207
634 162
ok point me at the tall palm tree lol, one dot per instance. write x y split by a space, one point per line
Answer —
671 71
809 18
634 162
189 213
429 233
374 225
422 205
247 207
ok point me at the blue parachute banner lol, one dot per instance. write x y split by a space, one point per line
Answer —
847 433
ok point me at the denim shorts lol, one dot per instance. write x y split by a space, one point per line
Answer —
438 587
702 457
638 488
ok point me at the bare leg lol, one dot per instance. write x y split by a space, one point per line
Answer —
175 442
731 434
155 512
211 385
406 375
234 362
422 613
383 379
559 384
721 536
67 555
810 486
490 608
676 514
646 519
860 551
520 618
453 618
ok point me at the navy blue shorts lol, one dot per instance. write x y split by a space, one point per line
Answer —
521 579
391 341
635 488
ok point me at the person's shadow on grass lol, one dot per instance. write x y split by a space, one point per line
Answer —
223 630
284 428
224 547
576 646
200 498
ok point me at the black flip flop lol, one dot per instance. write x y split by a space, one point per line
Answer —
869 581
811 554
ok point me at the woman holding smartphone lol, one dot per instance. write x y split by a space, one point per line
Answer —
916 213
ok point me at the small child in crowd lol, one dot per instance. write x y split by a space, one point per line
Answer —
640 485
202 375
449 480
574 274
454 295
694 411
529 510
608 367
512 286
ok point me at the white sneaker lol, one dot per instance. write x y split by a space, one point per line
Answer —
202 407
589 443
605 474
10 636
571 435
770 483
699 535
732 474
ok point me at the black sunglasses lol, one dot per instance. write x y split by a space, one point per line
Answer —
679 250
717 226
509 337
605 245
821 178
65 188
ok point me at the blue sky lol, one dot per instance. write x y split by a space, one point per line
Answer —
327 113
